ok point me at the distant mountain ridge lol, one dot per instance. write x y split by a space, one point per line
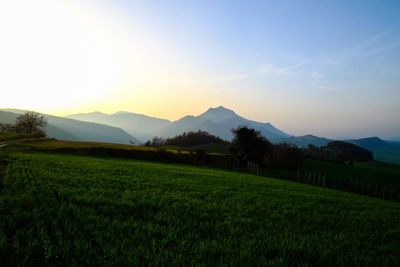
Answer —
75 130
383 150
217 121
122 126
305 140
141 126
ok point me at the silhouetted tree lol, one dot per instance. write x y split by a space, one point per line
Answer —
148 143
189 139
31 122
201 155
286 156
249 144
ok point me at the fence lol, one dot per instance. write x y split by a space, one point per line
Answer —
323 180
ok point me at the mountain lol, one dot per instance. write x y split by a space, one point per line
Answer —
305 140
141 126
383 150
75 130
370 143
219 122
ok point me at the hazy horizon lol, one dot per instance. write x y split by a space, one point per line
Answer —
394 138
329 69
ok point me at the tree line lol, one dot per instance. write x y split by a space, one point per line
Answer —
187 139
28 123
339 151
250 148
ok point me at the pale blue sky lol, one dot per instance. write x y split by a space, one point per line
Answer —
330 68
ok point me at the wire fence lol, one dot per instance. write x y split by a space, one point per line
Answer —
353 185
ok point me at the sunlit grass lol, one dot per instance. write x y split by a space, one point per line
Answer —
63 210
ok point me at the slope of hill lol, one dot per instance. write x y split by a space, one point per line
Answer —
66 210
141 126
305 140
383 150
370 143
219 121
74 130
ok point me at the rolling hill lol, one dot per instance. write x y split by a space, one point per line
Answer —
141 126
75 130
58 209
305 140
383 150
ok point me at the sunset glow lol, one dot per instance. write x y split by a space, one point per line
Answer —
275 62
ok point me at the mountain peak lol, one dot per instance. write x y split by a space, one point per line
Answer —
218 114
122 112
220 108
374 139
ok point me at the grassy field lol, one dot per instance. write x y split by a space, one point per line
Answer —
14 136
209 148
72 210
369 172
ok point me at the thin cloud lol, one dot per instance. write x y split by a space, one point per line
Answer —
383 49
316 75
364 45
319 85
272 69
222 79
332 61
263 70
367 48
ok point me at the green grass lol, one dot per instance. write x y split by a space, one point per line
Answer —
72 210
389 153
370 172
14 136
208 148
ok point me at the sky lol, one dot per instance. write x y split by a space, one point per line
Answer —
328 68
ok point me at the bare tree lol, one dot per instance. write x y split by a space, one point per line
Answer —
31 122
7 127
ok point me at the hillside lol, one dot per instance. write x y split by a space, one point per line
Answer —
141 126
162 214
383 150
75 130
305 140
